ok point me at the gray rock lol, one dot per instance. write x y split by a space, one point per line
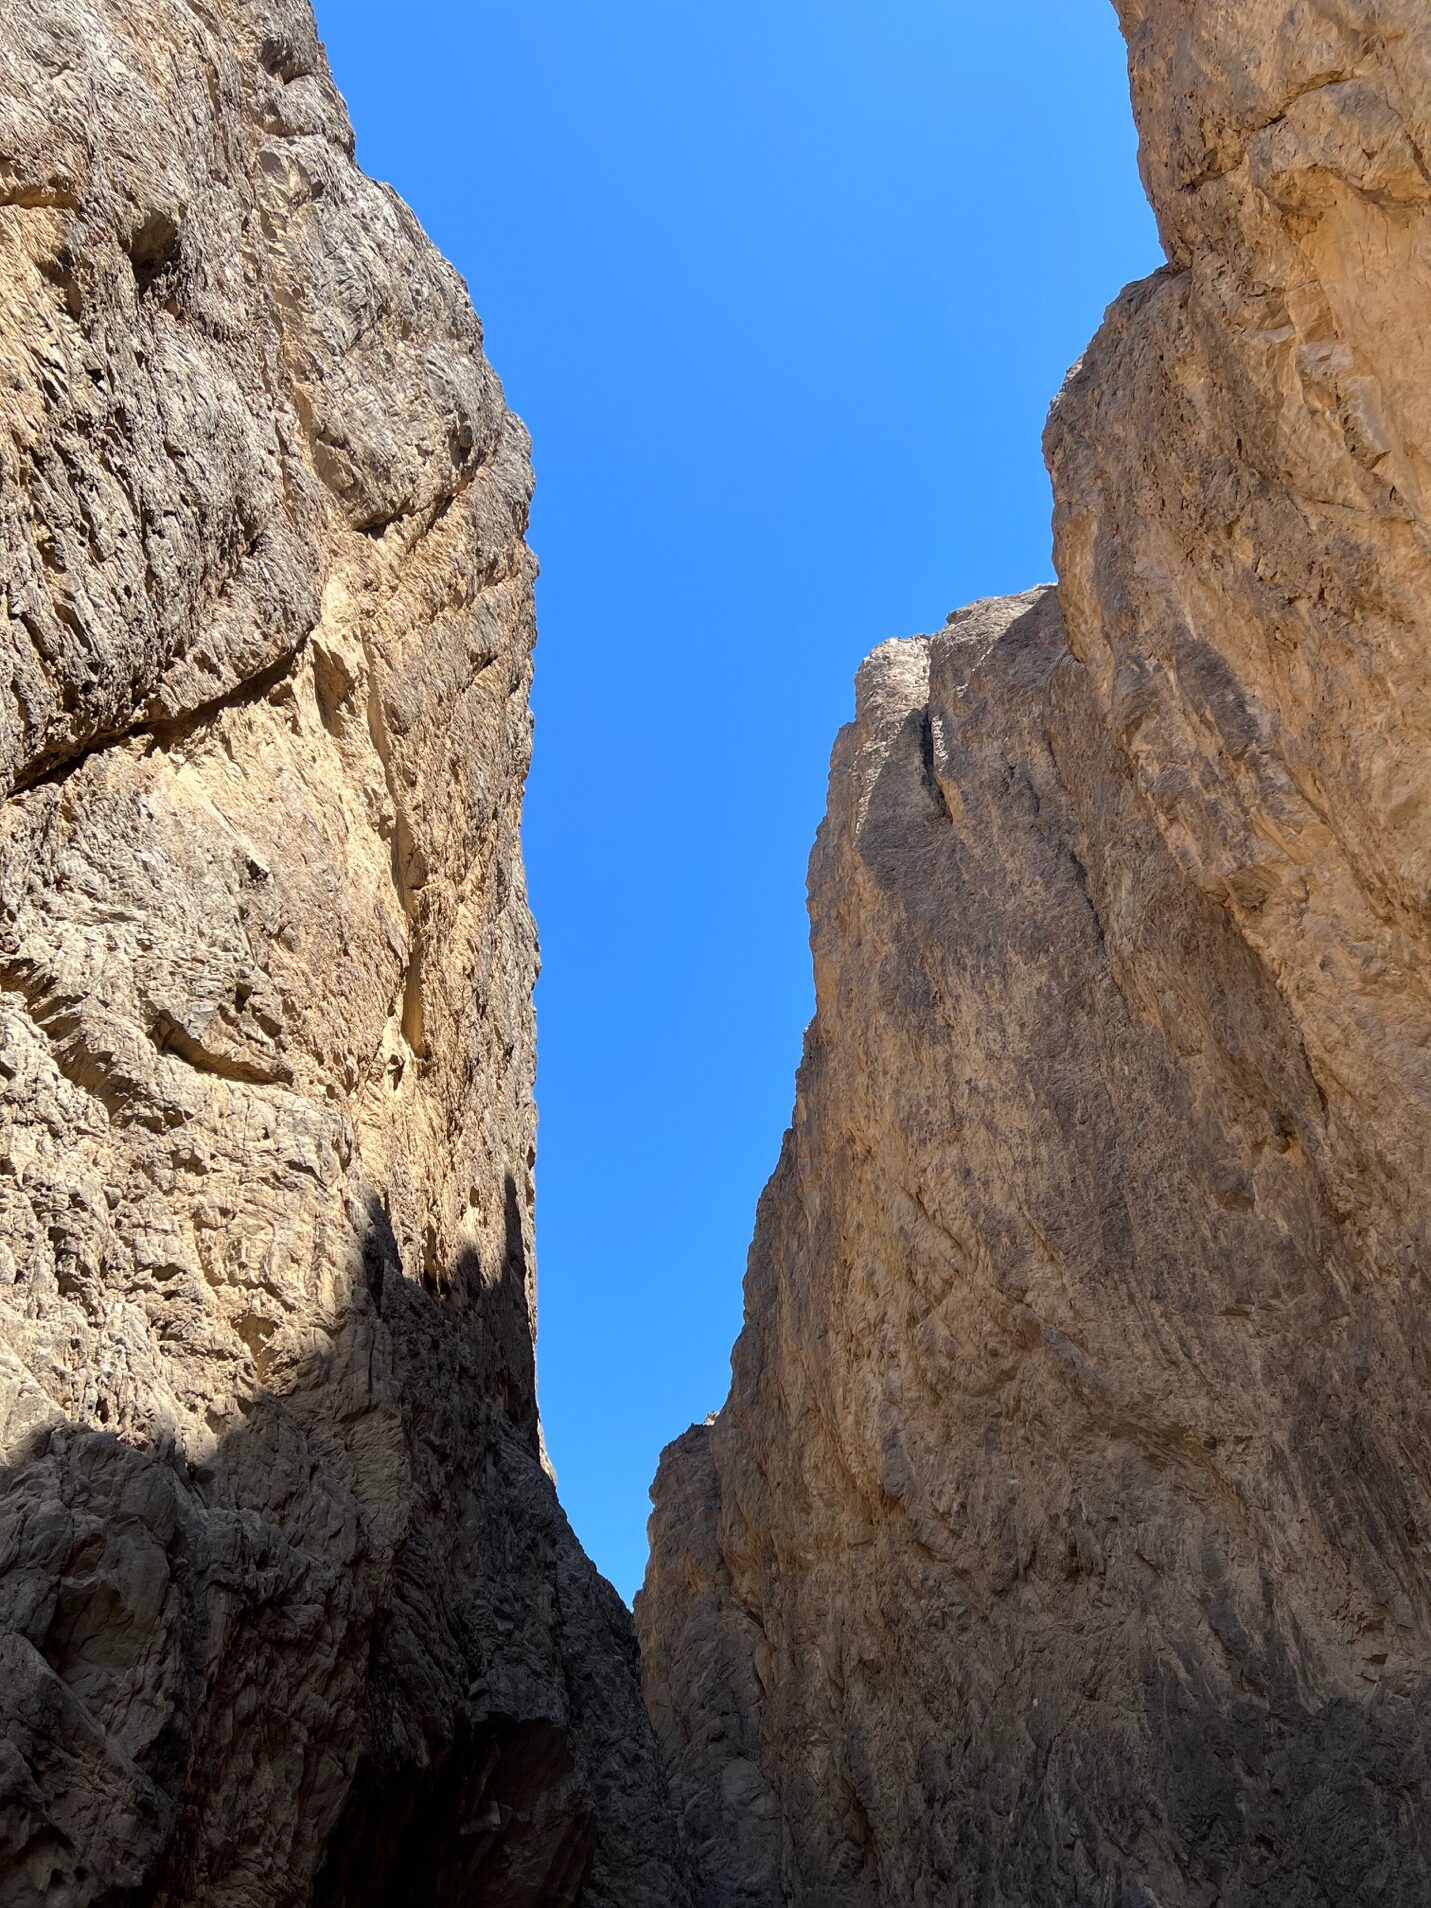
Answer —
726 1807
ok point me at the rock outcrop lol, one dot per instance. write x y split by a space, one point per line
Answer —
288 1611
1066 1537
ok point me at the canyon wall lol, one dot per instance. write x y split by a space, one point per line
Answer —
288 1611
1064 1539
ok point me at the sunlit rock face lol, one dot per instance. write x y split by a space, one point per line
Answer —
288 1611
1064 1538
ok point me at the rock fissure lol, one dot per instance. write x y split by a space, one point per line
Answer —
161 732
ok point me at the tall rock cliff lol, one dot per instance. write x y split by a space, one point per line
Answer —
1066 1537
288 1612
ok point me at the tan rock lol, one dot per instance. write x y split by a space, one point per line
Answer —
1071 1494
288 1611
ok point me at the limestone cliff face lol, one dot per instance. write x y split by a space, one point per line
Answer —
288 1612
1065 1537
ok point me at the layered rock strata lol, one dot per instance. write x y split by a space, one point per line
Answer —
1064 1539
288 1611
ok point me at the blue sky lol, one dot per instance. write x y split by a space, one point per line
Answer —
783 289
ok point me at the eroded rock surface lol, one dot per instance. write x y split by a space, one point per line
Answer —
288 1611
1065 1537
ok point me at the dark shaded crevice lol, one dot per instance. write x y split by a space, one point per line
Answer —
924 717
1085 888
502 1783
52 769
152 248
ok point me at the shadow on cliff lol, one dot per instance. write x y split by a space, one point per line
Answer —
351 1656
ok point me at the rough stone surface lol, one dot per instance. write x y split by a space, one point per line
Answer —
1064 1540
288 1611
703 1690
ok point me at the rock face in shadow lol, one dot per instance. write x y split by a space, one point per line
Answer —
288 1611
1064 1539
703 1690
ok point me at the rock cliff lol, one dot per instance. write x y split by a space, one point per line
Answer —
1066 1537
288 1611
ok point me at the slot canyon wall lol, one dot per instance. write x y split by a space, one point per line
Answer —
1063 1542
288 1611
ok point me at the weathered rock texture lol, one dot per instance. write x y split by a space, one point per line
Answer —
1065 1537
288 1612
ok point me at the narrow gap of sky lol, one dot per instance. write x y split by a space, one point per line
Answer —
783 292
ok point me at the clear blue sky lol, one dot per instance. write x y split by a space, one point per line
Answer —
783 289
